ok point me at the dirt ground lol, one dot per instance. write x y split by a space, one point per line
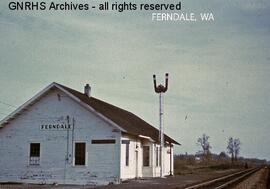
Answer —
178 181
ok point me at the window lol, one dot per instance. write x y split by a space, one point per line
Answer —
80 149
105 141
146 156
157 156
126 142
34 158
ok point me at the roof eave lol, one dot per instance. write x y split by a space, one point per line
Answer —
16 112
88 107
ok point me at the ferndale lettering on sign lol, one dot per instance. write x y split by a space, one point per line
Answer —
55 127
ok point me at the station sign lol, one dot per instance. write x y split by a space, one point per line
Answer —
55 127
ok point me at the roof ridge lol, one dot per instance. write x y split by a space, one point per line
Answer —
127 120
102 101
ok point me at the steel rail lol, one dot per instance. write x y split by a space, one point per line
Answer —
224 178
234 181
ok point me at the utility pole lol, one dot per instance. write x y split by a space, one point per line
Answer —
160 89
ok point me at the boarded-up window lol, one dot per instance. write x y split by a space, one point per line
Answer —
34 154
146 156
80 149
126 142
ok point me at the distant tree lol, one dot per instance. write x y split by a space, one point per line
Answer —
236 144
233 148
222 156
203 141
230 148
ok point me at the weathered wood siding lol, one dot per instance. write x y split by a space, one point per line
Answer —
102 160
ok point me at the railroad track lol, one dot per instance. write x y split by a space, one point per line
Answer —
268 179
225 182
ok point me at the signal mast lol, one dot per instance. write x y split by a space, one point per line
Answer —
160 89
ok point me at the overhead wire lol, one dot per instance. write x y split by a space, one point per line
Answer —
7 104
3 113
42 118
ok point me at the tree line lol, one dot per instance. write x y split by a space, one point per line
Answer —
233 147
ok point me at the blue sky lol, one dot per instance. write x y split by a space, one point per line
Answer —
219 71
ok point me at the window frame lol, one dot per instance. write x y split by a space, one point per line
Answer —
85 154
34 160
127 151
157 156
149 158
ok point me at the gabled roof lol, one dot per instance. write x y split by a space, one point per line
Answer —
125 120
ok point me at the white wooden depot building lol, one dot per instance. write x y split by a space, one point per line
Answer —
67 137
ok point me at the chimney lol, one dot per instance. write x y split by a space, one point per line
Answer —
87 90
